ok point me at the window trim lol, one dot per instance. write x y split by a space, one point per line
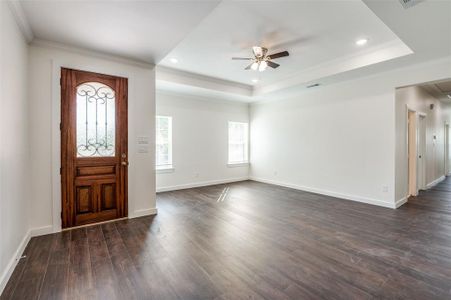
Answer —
237 165
243 162
165 168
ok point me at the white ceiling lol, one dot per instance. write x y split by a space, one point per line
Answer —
440 90
425 28
204 35
141 30
318 35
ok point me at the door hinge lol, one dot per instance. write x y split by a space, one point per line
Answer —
61 81
61 215
61 126
61 171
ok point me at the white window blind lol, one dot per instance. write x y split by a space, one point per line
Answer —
163 142
238 143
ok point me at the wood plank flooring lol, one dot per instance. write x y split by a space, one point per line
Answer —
249 240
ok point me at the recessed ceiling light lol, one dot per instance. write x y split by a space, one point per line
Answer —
174 60
255 80
361 42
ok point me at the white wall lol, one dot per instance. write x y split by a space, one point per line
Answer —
45 63
339 139
417 99
200 145
14 153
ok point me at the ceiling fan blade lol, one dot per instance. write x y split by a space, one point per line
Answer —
272 64
249 67
279 54
241 58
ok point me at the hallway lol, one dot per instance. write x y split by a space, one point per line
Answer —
436 200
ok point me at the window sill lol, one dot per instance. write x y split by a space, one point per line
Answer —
163 170
239 164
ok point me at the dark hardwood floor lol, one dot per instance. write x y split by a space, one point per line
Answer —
249 240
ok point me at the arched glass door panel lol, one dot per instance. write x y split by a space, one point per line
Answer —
96 128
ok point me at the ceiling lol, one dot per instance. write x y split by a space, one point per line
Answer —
440 90
319 35
144 31
204 35
425 29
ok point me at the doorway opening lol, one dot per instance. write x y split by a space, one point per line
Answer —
421 155
416 137
446 149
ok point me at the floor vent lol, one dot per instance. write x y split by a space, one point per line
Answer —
409 3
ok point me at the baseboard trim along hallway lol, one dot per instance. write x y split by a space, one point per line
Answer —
327 193
199 184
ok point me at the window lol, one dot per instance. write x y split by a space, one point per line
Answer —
238 143
163 143
95 120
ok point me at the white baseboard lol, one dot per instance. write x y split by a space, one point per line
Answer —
6 274
41 230
144 212
431 184
400 202
199 184
327 193
435 182
18 254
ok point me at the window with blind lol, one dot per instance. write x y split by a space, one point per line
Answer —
163 152
238 143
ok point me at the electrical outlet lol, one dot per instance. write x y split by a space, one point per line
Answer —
385 188
196 175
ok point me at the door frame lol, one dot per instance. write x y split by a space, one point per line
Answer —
446 168
89 66
71 162
418 114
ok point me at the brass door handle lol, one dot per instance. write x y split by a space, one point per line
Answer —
125 163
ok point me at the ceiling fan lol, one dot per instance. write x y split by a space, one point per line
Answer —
261 59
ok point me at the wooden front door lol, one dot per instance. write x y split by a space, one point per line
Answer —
94 156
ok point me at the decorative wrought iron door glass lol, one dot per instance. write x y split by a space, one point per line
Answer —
96 126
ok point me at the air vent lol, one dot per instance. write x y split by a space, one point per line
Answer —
409 3
312 85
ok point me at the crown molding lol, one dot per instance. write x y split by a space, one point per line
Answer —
195 95
366 57
167 87
174 76
373 55
83 51
19 15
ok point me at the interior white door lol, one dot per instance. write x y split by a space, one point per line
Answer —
446 149
421 153
412 152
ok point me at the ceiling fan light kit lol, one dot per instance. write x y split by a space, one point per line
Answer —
261 59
